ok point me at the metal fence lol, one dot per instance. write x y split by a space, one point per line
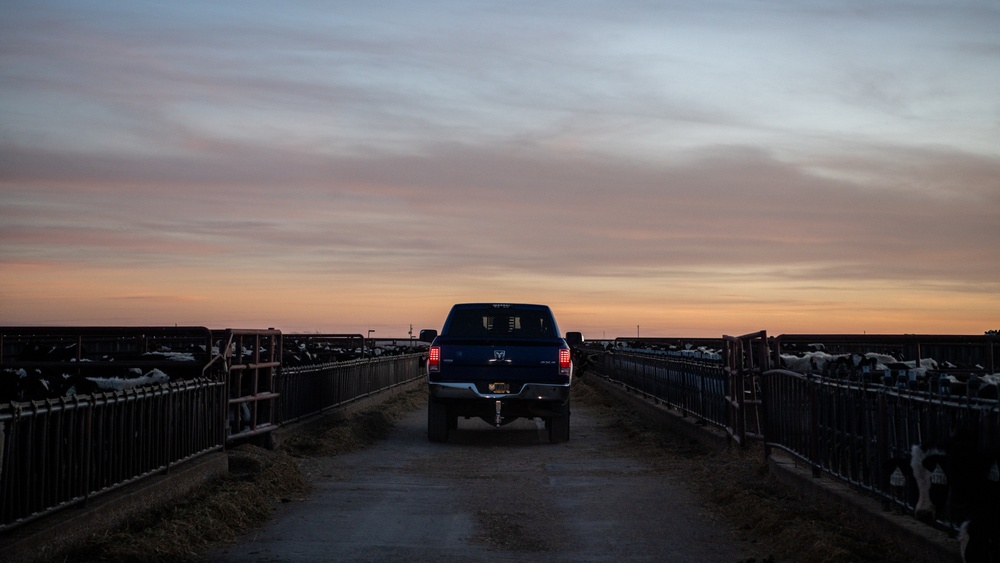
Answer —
746 358
309 390
252 360
57 453
694 386
225 386
61 451
859 432
230 385
716 381
854 425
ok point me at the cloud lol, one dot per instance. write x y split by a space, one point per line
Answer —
468 207
161 299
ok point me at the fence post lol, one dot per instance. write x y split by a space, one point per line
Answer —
813 425
765 385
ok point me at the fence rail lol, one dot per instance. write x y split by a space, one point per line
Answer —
716 380
57 453
232 385
253 358
309 390
856 425
225 386
860 432
746 359
695 387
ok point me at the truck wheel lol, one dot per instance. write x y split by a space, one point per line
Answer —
437 421
559 428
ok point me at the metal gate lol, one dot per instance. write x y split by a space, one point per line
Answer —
746 359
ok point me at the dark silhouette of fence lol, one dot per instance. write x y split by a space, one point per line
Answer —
854 422
201 390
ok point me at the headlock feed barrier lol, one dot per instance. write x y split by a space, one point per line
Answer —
714 380
87 410
851 407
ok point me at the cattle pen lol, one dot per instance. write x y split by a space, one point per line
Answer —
853 407
86 411
197 391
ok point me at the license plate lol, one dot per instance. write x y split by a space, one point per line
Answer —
499 388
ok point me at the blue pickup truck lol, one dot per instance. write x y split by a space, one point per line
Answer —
498 362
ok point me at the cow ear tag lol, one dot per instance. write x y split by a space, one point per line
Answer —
897 479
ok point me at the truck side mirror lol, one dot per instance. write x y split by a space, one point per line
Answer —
574 339
427 335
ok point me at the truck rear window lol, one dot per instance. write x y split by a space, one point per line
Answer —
503 323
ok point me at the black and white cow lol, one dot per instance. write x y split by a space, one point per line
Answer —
958 482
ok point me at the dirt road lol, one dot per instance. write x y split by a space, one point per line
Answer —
492 495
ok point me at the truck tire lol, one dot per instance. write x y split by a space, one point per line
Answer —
559 428
437 421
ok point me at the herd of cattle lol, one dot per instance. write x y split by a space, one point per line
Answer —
305 350
929 375
49 381
37 372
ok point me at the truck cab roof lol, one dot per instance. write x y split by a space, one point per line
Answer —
507 320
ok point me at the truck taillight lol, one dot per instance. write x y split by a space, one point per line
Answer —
434 359
564 362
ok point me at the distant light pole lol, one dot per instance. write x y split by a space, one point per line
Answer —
637 331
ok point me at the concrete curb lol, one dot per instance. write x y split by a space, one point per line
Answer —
919 541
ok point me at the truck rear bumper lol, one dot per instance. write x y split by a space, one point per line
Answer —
530 392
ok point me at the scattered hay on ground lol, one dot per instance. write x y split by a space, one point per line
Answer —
737 482
332 436
218 511
258 479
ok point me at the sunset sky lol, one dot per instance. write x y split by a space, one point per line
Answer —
687 168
